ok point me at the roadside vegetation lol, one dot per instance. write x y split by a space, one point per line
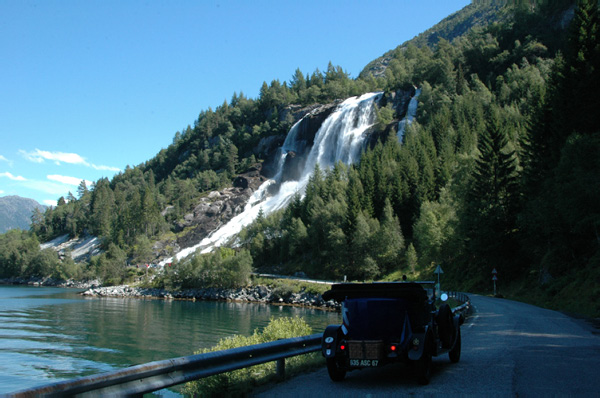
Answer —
240 382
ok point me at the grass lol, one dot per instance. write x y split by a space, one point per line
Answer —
290 285
576 293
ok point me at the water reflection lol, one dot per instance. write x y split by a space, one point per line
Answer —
48 335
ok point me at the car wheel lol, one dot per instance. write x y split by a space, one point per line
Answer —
336 373
445 326
454 353
423 366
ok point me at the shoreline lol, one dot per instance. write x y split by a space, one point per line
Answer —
259 294
50 282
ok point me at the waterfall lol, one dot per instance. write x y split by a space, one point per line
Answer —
341 137
411 112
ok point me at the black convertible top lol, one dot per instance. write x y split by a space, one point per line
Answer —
408 290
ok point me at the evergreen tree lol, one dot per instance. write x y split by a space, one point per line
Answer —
411 258
491 205
298 82
354 193
103 206
389 242
581 82
82 190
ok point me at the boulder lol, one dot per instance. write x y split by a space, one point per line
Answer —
216 209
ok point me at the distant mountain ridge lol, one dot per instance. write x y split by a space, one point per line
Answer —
15 212
455 25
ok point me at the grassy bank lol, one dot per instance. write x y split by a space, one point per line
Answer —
240 382
577 293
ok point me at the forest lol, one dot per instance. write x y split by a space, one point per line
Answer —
500 170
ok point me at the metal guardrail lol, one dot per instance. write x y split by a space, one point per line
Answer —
464 299
153 376
459 296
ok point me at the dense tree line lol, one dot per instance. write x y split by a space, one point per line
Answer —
141 204
501 170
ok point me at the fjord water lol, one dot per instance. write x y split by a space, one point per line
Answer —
52 334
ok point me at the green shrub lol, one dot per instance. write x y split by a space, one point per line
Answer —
223 268
241 381
283 285
283 291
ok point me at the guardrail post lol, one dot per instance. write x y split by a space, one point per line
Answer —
281 368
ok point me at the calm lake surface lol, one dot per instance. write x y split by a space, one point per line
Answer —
52 334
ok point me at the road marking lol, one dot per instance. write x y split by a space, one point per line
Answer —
475 318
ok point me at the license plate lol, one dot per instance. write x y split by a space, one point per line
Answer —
364 362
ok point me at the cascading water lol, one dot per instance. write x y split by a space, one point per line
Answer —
341 137
411 113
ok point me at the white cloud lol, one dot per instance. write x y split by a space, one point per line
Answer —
105 168
12 177
50 202
3 159
1 192
68 180
39 156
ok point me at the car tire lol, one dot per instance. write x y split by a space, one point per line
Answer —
454 353
336 373
445 325
423 366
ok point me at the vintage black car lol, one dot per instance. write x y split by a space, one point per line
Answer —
390 322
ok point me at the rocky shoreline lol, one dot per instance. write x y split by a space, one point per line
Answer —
252 294
50 282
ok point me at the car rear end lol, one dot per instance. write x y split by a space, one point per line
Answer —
375 331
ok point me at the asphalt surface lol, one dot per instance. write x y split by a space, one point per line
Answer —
509 349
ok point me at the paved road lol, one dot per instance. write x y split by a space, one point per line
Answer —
509 349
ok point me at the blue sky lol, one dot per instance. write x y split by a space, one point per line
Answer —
89 87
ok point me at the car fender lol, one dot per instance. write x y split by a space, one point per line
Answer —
415 355
456 322
330 340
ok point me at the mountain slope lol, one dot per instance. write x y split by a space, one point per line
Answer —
15 212
451 27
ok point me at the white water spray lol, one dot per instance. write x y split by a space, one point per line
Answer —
411 113
341 137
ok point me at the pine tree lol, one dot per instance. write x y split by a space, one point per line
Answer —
354 193
411 258
103 206
582 69
389 241
496 177
82 190
572 101
490 216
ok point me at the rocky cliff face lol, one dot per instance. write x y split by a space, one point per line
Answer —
218 207
311 118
